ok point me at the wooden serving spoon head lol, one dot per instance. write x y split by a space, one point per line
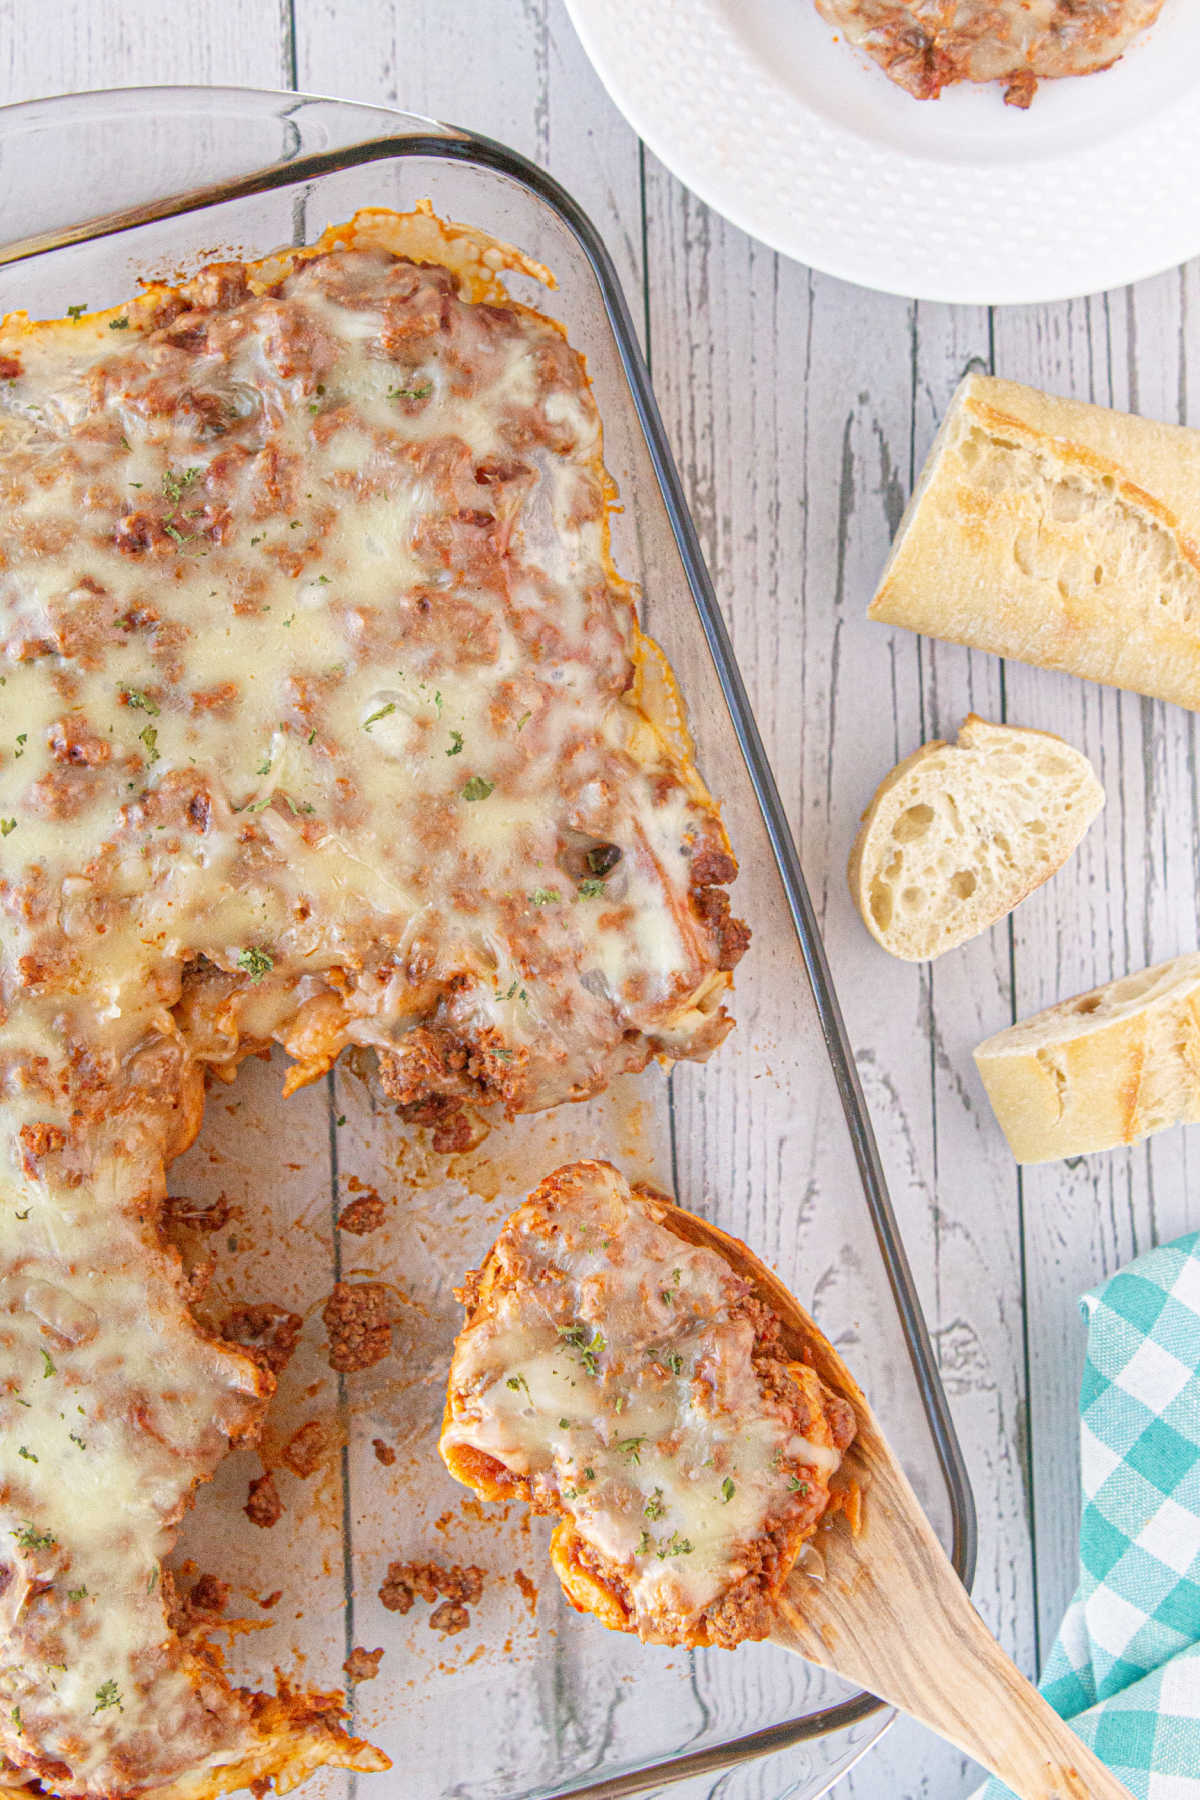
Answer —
888 1612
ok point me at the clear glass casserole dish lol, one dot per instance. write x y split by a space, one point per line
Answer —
771 1137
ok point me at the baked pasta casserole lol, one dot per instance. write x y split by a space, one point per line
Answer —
630 1382
324 721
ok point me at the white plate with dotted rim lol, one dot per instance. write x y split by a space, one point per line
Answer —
803 142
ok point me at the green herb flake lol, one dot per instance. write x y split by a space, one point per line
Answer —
30 1538
654 1508
516 1382
381 714
796 1485
477 788
79 1593
175 482
545 896
118 324
16 1719
411 393
149 737
7 825
341 1119
76 1439
631 1449
256 962
564 1424
644 1544
575 1336
77 312
109 1694
523 721
27 1454
674 1546
727 1489
48 1368
456 744
589 889
674 1362
141 702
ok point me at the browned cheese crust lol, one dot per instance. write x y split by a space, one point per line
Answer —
631 1384
325 720
926 45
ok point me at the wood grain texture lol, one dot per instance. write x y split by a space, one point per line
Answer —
800 409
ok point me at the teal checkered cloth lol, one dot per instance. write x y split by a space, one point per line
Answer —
1125 1667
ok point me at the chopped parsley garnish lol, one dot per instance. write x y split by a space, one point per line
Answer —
16 1719
631 1449
109 1694
27 1454
674 1546
727 1489
523 721
456 743
381 714
589 889
411 393
264 767
7 825
654 1508
48 1367
22 740
256 963
674 1362
174 482
118 324
477 788
341 1119
545 896
77 312
149 737
516 1382
76 1439
30 1538
564 1424
134 697
644 1544
667 1295
79 1593
576 1337
796 1485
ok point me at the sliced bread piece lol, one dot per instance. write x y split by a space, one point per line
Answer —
959 834
1059 533
1103 1069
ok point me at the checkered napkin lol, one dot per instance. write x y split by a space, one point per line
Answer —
1125 1667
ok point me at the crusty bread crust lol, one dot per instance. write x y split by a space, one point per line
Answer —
1106 1068
1059 533
958 835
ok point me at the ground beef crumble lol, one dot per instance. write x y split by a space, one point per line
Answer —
362 1665
307 1448
264 1507
269 1334
365 1214
357 1319
462 1587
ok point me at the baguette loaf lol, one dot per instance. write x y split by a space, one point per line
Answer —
957 835
1058 533
1104 1069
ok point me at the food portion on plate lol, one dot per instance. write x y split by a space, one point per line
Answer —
959 834
617 1375
1058 533
326 721
927 45
1105 1068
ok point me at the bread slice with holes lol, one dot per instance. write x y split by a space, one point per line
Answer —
1059 533
1106 1068
959 834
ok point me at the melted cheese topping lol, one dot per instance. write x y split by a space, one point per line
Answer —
617 1373
319 722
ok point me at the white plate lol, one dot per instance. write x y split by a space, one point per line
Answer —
805 143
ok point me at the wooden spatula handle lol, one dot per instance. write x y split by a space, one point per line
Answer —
896 1619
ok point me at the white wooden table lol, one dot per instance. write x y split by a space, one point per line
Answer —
799 409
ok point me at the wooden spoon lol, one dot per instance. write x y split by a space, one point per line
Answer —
890 1613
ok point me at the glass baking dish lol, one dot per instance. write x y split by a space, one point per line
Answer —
771 1138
